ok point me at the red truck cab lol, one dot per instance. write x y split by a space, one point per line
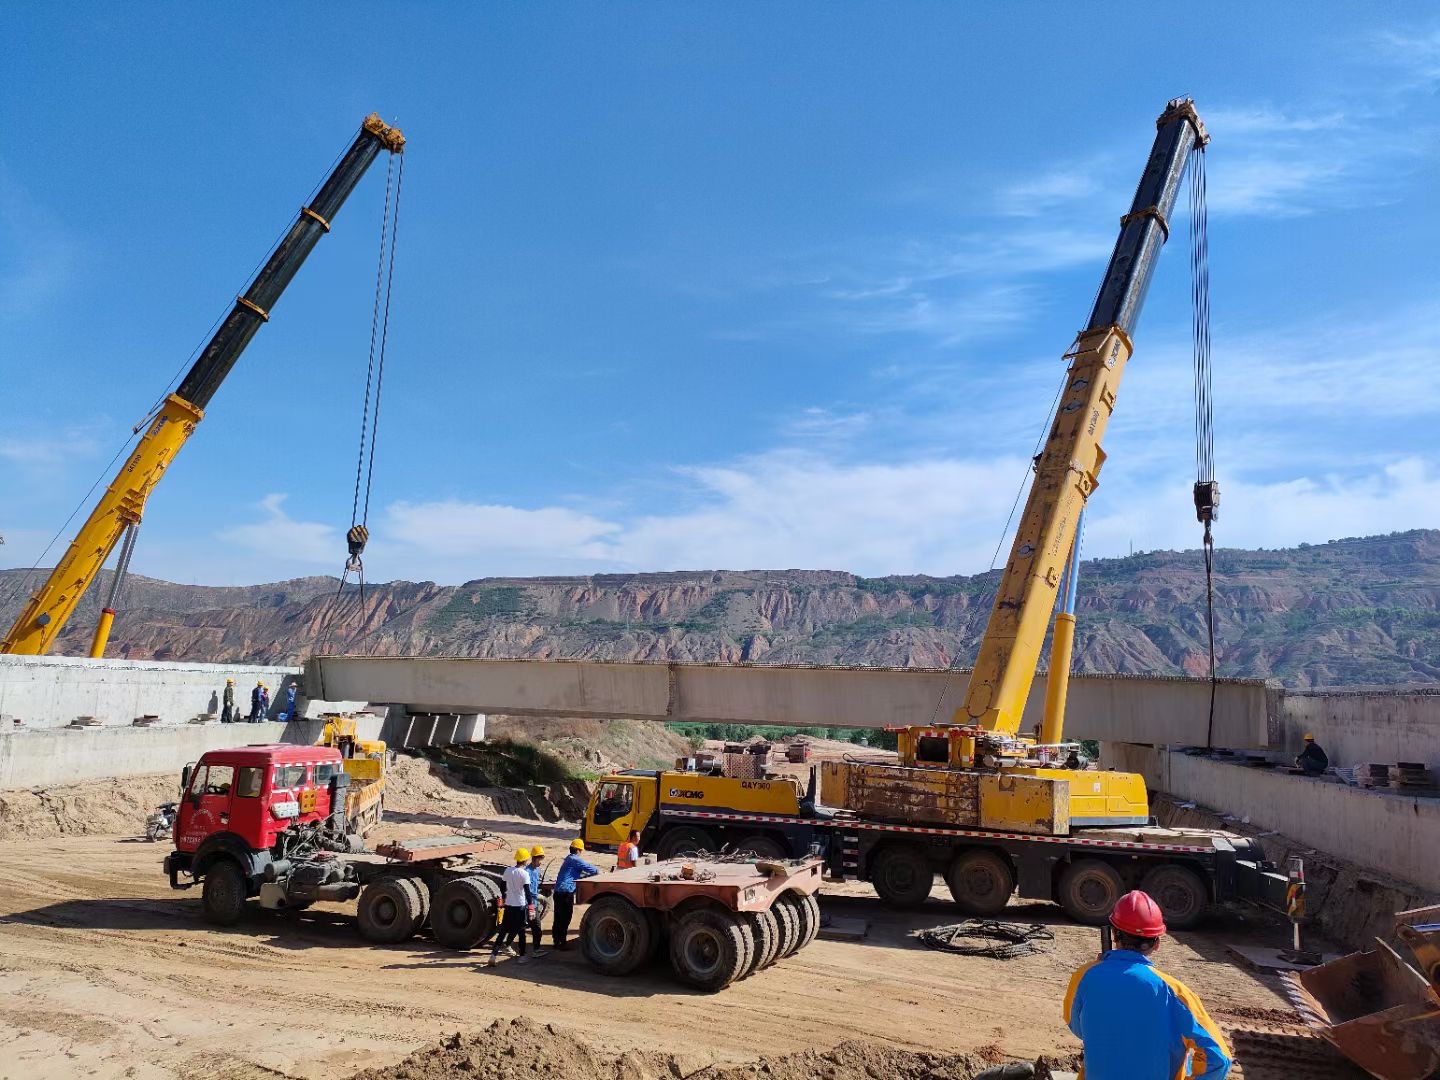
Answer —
254 793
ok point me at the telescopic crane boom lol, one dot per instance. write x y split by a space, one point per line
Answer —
121 507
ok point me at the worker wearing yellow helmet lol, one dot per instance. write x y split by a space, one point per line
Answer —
227 710
1312 760
537 873
519 900
571 870
256 698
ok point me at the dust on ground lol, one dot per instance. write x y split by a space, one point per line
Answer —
522 1049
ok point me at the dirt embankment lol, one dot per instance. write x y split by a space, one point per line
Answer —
414 785
521 1049
94 808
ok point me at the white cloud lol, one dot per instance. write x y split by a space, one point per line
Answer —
41 252
497 536
287 541
42 456
1050 190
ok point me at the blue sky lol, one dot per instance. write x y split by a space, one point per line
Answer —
705 286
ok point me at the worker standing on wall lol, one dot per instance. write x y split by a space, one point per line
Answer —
537 871
255 702
1313 760
1138 1023
264 702
227 710
519 907
571 870
290 709
629 853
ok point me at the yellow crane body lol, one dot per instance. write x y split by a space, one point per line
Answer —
122 505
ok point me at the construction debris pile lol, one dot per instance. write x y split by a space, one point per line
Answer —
521 1049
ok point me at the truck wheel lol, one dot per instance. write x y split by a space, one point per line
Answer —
765 932
789 920
463 914
422 890
762 847
686 840
710 949
1180 892
1089 889
981 882
389 911
224 893
615 936
902 876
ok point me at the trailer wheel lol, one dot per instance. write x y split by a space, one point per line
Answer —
812 904
463 913
762 847
615 936
1180 892
807 918
710 949
981 882
1089 889
686 840
764 932
789 920
769 935
902 876
225 892
389 910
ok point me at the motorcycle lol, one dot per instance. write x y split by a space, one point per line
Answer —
161 822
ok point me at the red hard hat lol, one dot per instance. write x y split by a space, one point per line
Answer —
1138 915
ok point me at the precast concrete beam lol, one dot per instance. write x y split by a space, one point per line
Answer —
1123 708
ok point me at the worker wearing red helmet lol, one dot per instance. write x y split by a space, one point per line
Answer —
1138 1023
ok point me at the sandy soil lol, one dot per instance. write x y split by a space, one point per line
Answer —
105 972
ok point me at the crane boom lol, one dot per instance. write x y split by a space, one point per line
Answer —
123 503
1069 465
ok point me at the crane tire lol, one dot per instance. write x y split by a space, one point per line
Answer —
902 876
686 840
463 913
1089 889
761 846
981 882
225 892
389 910
710 949
615 936
1181 893
765 932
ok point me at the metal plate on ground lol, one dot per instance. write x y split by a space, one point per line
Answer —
1270 959
844 928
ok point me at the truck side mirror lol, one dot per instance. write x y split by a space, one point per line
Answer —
185 774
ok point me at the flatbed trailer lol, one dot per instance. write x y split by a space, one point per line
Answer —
719 921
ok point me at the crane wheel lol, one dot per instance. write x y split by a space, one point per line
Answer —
981 882
686 840
710 949
463 912
389 910
766 932
789 920
615 936
224 893
902 875
1181 893
762 847
1089 888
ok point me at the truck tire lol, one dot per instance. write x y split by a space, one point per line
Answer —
981 882
686 840
1180 892
766 933
789 920
902 876
423 891
463 914
224 893
615 936
762 847
389 910
812 904
807 919
1089 889
710 949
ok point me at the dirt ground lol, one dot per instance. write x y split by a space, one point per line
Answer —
105 972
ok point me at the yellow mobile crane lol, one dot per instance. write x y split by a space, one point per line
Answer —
117 515
971 799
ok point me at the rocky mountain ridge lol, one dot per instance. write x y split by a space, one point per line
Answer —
1350 612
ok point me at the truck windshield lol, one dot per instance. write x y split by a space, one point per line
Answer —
324 771
247 786
289 776
614 802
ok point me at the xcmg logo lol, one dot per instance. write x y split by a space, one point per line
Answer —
681 793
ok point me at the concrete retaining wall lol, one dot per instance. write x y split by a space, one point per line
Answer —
1391 834
51 691
49 758
1361 726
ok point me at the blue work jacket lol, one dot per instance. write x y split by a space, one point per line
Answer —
1138 1023
572 870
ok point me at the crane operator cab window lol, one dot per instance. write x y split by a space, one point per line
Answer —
615 801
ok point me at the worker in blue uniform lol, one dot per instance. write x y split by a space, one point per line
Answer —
1138 1023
